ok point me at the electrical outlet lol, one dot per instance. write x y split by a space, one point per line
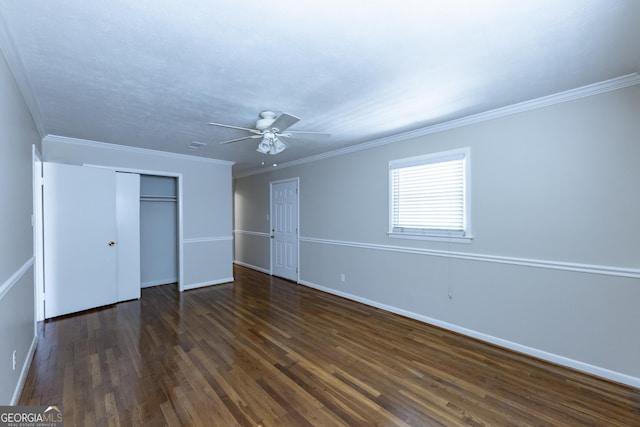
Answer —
15 359
343 278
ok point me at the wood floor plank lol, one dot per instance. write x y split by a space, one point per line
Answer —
266 352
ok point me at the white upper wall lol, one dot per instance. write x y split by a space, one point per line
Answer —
18 134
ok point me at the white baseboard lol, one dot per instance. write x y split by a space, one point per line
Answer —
159 282
24 371
530 351
253 267
204 284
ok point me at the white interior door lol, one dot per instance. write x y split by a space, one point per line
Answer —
284 229
79 238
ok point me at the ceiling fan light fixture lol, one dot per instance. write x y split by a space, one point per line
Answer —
278 146
264 147
270 144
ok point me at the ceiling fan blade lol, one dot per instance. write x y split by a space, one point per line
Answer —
314 135
284 121
241 139
234 127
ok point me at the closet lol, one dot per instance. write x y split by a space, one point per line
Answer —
106 234
158 230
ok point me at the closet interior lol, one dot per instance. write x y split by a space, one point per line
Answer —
158 230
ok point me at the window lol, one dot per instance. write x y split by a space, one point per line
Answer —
429 196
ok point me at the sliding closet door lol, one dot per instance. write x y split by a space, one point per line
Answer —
79 238
128 229
158 230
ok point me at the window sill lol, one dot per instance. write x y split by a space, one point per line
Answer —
430 237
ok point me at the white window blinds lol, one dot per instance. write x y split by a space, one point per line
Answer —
428 194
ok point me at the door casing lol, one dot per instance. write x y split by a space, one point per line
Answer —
284 245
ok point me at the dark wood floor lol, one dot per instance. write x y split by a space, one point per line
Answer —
266 352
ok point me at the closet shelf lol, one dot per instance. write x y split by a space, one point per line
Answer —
157 198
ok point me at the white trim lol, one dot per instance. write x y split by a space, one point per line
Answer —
534 352
158 282
180 232
205 284
135 170
129 149
38 238
15 277
432 238
526 262
253 267
208 239
459 154
271 225
24 371
254 233
533 104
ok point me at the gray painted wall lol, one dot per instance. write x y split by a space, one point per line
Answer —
17 135
206 196
554 213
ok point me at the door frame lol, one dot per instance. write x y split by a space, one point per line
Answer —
38 240
178 177
271 224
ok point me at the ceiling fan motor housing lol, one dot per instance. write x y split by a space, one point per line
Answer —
266 120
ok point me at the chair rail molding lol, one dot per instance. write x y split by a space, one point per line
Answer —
527 262
251 233
15 277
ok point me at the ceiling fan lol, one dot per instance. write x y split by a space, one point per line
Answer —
271 128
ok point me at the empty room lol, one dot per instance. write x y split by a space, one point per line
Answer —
284 213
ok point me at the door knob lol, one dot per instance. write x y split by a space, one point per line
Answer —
112 243
273 237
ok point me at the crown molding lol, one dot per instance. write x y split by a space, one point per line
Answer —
57 139
545 101
14 61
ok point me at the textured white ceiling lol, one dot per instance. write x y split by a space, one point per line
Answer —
151 74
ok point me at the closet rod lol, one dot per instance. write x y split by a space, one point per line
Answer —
157 199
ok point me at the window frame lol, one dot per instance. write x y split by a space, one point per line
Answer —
432 234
